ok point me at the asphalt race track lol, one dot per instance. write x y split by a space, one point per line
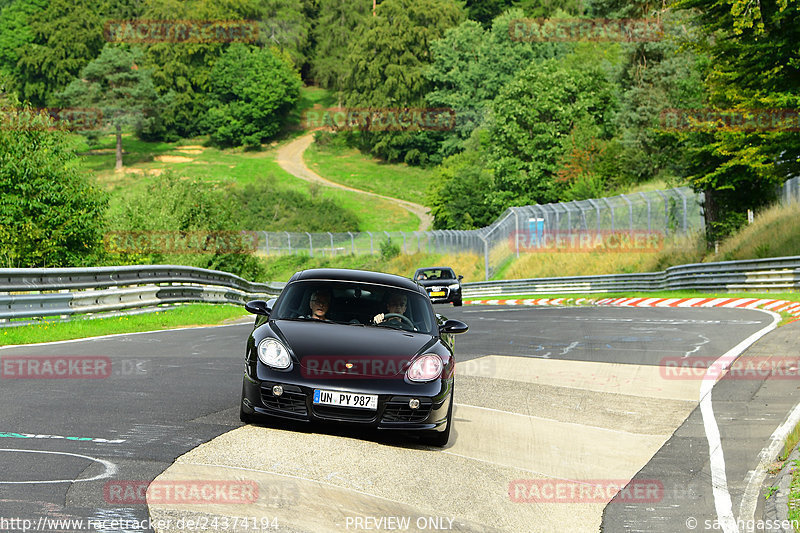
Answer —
556 410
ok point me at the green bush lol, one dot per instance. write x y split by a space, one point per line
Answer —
252 92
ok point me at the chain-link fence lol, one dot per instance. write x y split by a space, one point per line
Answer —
664 213
790 192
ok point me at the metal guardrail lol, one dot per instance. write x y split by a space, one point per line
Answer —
775 274
63 292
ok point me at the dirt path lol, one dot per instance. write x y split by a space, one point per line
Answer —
290 158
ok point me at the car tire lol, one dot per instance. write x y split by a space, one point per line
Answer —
245 417
440 438
457 303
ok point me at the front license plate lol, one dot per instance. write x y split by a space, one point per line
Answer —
346 399
437 293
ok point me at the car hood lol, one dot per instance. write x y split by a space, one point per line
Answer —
436 282
372 351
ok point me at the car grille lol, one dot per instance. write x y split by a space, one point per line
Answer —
344 413
397 410
292 400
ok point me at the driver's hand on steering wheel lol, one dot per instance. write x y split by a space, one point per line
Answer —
378 318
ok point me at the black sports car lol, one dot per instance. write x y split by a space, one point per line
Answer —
441 283
350 346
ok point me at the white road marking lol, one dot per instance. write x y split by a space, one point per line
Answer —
719 481
110 468
755 478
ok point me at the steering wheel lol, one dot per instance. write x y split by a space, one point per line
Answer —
403 318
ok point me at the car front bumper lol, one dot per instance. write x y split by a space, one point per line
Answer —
393 412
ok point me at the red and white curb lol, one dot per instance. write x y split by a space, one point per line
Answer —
778 306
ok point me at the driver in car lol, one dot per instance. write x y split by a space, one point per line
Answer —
396 304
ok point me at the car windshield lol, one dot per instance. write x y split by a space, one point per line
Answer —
355 304
435 273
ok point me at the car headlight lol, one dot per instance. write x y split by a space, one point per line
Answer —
426 368
453 287
272 353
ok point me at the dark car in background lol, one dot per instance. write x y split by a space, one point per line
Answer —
362 364
441 284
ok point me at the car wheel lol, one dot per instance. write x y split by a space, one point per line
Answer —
440 438
245 417
457 303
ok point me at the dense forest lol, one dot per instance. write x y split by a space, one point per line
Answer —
537 117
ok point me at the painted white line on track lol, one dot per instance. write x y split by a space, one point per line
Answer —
719 480
110 468
111 335
747 508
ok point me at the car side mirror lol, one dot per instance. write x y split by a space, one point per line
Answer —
460 277
258 307
453 327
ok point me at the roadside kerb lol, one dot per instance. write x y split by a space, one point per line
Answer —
778 306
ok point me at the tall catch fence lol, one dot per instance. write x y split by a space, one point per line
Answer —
518 229
663 213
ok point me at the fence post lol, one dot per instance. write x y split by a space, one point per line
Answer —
647 199
352 243
630 211
310 245
597 211
332 252
685 208
266 240
485 255
516 230
289 240
371 248
666 211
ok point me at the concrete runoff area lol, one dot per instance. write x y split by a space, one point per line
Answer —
318 481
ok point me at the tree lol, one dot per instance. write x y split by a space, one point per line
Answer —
115 84
50 215
533 118
252 92
461 196
388 67
67 35
16 33
182 71
471 65
334 33
285 25
755 66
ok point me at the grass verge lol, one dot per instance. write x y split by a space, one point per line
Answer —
350 167
181 316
